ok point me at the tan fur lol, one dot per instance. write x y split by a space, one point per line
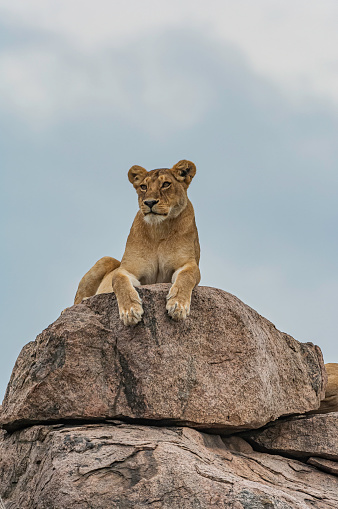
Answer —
96 278
162 246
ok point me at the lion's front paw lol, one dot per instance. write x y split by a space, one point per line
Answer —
131 311
178 307
132 315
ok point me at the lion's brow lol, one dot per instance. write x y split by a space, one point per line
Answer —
159 171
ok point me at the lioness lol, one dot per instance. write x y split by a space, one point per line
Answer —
162 246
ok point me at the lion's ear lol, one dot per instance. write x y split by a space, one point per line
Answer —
184 171
136 174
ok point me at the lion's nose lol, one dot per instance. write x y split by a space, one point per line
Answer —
150 203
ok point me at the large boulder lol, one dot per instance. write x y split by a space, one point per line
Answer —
123 466
225 368
300 437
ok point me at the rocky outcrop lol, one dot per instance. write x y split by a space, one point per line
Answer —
225 368
125 466
96 413
302 436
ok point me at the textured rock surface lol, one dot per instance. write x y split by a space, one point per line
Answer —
130 467
304 436
330 403
326 465
225 367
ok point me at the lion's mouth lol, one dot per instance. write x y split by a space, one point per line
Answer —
152 212
153 217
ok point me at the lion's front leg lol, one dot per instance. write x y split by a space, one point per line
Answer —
129 301
179 296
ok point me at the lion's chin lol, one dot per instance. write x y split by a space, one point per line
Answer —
154 218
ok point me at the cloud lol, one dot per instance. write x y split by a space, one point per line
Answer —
50 83
294 43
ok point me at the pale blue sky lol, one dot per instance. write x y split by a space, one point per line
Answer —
249 95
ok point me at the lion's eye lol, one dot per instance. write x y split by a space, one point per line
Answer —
166 184
143 187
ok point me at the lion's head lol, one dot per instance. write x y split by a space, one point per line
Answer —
162 193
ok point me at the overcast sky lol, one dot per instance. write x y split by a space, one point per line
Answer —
247 90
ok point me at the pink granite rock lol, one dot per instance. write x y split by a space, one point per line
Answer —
225 368
304 436
330 403
121 466
326 465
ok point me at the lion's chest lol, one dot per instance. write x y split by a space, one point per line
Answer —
159 266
